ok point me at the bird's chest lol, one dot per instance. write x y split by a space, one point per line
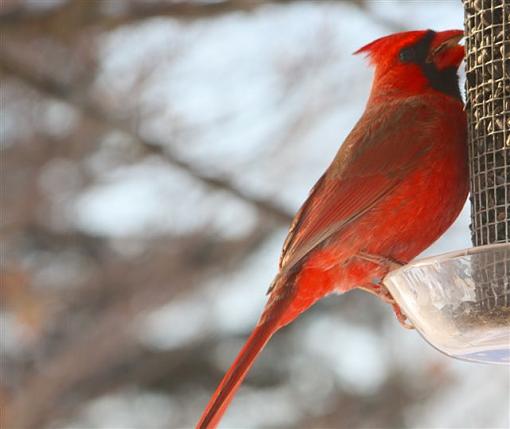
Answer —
426 204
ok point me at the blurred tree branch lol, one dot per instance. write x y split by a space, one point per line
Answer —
15 68
80 14
389 23
103 336
55 384
74 16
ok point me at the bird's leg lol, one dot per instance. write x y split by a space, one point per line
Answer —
382 293
379 289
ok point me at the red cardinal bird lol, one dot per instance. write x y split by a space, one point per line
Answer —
397 183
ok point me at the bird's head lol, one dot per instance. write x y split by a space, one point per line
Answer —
417 60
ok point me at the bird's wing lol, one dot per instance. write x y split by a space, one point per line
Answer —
385 145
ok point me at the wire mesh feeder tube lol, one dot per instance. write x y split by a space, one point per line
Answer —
460 302
487 25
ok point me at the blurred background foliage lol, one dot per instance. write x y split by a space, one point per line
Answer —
152 156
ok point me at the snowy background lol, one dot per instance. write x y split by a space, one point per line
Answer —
153 153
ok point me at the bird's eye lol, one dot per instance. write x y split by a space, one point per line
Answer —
407 55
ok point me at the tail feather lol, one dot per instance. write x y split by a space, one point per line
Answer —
277 313
235 375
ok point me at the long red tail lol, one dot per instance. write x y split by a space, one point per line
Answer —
277 313
233 378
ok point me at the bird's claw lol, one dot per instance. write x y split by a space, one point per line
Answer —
402 318
384 294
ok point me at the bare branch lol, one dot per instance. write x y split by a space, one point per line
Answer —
189 10
74 16
48 86
80 14
389 23
45 394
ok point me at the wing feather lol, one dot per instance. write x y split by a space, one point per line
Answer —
385 145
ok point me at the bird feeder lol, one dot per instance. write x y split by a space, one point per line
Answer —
460 301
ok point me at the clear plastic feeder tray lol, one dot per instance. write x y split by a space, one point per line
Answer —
459 301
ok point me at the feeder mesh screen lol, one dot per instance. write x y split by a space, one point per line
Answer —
487 26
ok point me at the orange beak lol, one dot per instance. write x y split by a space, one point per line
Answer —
445 50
